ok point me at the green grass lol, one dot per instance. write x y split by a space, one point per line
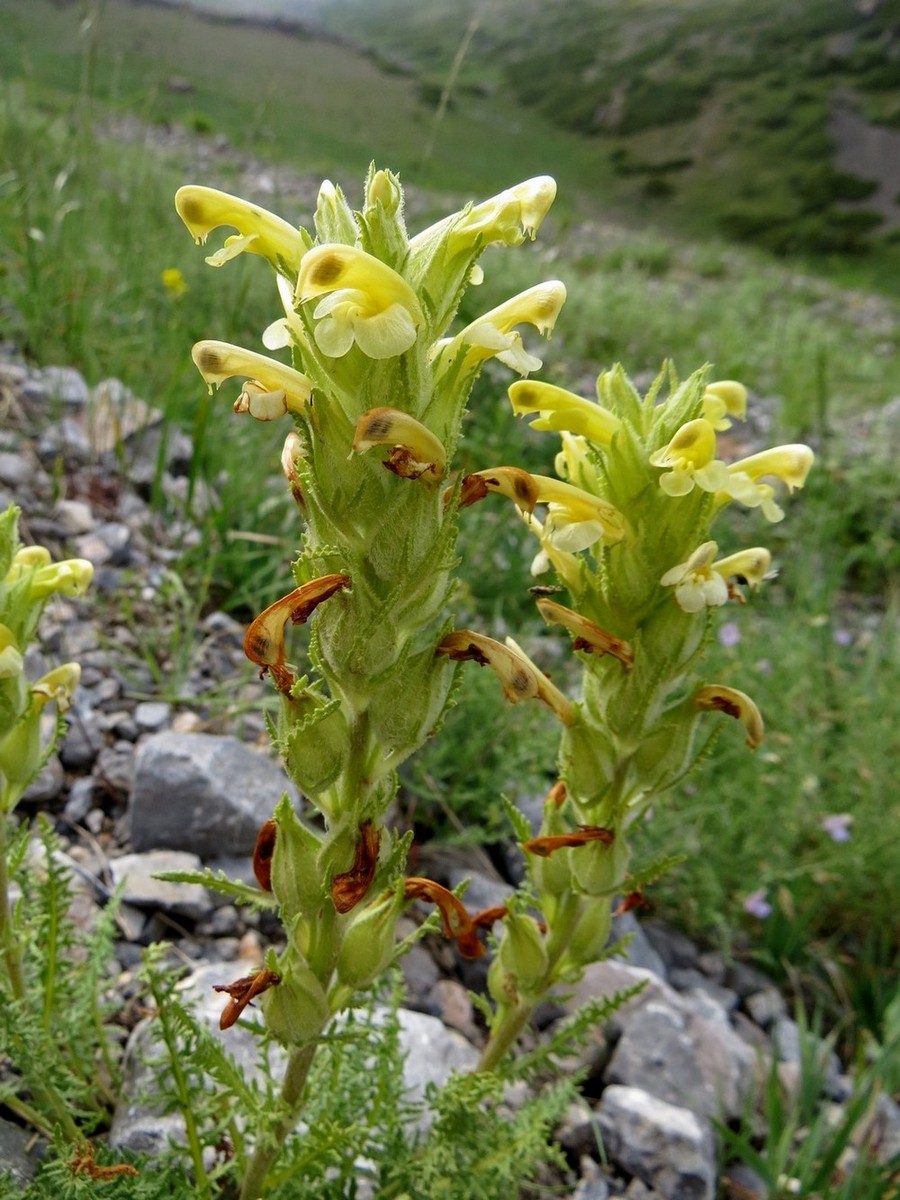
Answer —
87 226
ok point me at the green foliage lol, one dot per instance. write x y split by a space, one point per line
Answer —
55 1033
801 1149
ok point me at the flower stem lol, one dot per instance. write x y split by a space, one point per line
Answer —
292 1100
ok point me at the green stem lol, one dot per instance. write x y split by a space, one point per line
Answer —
292 1100
512 1021
504 1036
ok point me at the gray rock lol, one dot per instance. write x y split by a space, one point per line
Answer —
15 470
114 769
640 951
683 1058
766 1006
18 1155
608 977
151 716
741 1183
48 786
205 794
670 1148
674 947
74 517
108 544
65 384
144 890
82 741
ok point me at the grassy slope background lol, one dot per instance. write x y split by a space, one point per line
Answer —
86 227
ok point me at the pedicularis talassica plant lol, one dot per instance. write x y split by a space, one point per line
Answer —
376 392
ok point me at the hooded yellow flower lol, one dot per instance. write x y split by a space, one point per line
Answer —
364 301
260 232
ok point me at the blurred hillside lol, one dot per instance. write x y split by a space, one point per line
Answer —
780 122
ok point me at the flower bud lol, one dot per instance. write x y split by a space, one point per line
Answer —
295 878
369 942
314 739
522 952
591 932
296 1010
599 869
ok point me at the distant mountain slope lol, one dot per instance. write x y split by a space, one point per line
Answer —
729 110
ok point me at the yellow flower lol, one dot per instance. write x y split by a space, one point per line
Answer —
174 282
723 399
703 583
494 335
791 464
560 409
260 232
576 519
507 218
71 576
365 301
271 390
691 455
697 584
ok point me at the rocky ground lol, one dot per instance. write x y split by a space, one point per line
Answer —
141 785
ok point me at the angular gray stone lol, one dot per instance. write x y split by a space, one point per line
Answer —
144 890
683 1058
639 952
201 793
670 1148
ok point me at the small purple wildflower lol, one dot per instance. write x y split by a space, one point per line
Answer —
757 904
843 637
837 826
729 634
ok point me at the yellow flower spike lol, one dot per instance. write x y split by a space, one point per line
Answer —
716 697
493 335
723 399
272 388
697 583
365 301
416 451
519 677
560 409
691 455
204 209
264 638
58 686
11 661
588 636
